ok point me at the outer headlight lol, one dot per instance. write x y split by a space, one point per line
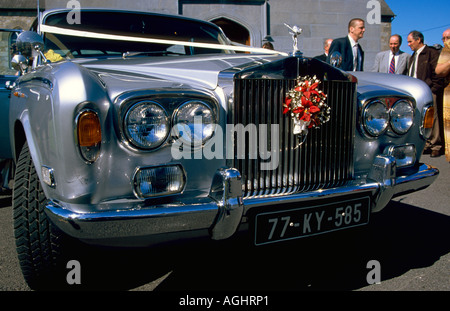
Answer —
402 115
375 118
146 125
194 122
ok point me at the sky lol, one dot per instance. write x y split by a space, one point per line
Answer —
431 17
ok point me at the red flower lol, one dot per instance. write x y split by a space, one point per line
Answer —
306 117
298 110
287 103
314 109
306 102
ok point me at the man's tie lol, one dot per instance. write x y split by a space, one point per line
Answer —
359 67
392 65
413 66
358 60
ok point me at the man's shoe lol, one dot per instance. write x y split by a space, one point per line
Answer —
427 151
435 153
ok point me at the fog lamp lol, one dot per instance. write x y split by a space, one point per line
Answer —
405 155
159 181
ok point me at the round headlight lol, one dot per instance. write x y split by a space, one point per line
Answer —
146 125
402 114
194 122
376 118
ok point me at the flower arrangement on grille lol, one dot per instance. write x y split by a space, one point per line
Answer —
307 105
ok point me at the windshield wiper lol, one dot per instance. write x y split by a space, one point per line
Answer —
162 53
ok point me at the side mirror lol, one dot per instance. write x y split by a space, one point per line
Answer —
19 63
336 59
28 43
31 45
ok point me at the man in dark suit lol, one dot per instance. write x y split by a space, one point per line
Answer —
351 52
393 60
422 66
326 48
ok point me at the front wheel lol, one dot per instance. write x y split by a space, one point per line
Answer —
38 241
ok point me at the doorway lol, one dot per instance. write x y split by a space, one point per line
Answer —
234 31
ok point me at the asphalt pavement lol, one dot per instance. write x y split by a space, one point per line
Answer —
406 246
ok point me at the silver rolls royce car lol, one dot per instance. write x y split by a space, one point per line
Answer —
135 128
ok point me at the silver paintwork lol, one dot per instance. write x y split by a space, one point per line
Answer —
96 201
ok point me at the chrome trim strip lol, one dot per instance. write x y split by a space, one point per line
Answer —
424 177
308 197
165 218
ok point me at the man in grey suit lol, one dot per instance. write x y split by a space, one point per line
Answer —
394 60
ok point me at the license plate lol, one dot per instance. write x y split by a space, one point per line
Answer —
290 224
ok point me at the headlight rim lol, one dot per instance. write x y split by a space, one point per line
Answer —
128 137
175 132
391 123
363 118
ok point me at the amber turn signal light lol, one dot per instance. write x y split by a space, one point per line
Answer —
89 129
428 119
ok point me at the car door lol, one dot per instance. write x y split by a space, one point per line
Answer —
7 78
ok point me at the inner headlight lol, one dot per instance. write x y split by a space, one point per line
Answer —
194 122
375 118
146 125
402 115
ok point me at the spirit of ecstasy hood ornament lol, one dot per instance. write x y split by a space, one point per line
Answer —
295 32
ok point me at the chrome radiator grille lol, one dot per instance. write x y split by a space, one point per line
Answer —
324 160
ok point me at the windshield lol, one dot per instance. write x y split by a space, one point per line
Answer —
133 25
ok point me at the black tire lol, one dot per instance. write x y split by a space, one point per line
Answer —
38 241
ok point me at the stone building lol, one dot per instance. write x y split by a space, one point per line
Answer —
249 22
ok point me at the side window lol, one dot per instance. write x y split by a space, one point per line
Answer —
7 51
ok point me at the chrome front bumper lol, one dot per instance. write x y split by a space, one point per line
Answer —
220 214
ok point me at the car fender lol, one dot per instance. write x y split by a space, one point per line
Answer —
43 114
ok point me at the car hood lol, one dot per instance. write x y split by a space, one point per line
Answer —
371 82
122 75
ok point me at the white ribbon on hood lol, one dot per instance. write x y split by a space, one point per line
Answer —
96 35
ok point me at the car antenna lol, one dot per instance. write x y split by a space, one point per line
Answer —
38 30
